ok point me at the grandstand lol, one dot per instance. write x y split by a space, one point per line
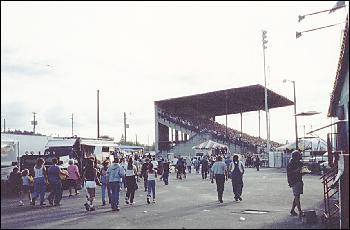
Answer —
181 123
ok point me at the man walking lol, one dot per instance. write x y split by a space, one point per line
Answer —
257 163
295 181
219 170
236 170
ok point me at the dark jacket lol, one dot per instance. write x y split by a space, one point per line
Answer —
294 172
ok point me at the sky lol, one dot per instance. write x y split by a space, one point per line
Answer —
56 55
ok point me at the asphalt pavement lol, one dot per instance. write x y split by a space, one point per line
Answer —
188 203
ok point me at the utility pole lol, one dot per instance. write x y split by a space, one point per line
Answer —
72 125
136 139
98 114
266 105
34 122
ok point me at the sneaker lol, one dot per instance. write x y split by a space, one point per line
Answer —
240 198
87 206
148 201
126 200
293 213
154 200
236 198
117 209
132 203
21 203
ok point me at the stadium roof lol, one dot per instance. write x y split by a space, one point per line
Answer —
239 100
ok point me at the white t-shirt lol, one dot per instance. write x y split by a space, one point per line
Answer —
155 164
130 172
151 176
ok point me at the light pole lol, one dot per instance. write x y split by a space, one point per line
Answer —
264 41
295 115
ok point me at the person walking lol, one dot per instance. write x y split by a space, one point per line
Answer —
16 184
104 184
26 184
40 181
155 166
151 186
189 164
73 177
219 170
123 164
90 178
236 170
144 174
295 181
166 169
115 173
257 163
55 183
205 167
130 174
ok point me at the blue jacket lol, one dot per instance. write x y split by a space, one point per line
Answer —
115 173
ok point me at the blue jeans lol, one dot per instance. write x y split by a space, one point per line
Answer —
115 189
151 186
103 189
56 192
39 188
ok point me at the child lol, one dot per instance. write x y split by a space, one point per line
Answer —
15 180
26 183
151 183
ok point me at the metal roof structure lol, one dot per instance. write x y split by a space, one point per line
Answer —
228 101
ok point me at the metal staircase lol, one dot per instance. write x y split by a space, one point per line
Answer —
331 213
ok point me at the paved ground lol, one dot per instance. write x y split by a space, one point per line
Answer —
190 203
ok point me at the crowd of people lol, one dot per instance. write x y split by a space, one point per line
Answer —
201 125
124 173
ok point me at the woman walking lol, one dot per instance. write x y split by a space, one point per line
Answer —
90 177
105 185
40 180
151 183
73 177
130 173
